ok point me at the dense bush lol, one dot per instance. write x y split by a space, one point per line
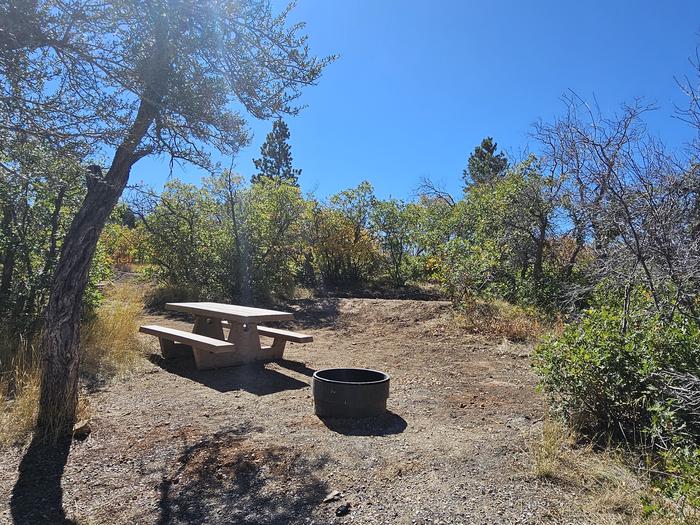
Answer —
681 482
636 382
345 251
610 381
40 191
184 245
269 230
506 239
394 224
225 241
123 239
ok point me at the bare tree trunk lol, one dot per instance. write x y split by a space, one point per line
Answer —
59 351
538 266
241 245
61 335
39 290
569 268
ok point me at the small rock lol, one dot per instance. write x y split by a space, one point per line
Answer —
343 510
81 430
333 496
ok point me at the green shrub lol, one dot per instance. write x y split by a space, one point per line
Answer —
639 385
616 383
155 298
682 475
100 271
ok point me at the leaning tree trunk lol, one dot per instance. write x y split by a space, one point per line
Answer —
59 351
61 334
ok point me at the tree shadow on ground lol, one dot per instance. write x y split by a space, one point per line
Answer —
254 377
37 497
314 313
226 478
385 425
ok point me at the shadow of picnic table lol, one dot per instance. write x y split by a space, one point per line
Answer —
254 377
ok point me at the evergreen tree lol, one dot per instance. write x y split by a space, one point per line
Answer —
275 162
484 165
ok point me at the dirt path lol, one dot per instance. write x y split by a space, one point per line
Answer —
241 445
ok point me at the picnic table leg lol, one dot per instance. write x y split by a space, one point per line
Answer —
247 341
210 327
276 351
171 350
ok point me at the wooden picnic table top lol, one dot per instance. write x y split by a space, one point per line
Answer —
231 312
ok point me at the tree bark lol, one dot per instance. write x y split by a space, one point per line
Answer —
59 351
538 265
60 339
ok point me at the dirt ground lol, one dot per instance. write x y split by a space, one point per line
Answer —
242 444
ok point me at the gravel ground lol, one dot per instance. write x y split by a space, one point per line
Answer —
242 445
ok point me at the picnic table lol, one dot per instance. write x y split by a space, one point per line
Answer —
212 348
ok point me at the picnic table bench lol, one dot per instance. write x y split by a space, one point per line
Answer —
208 343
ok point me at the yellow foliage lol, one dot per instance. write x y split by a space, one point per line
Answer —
124 245
346 252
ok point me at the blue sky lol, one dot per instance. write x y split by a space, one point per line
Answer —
418 83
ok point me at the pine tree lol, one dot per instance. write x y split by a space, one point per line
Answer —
485 164
275 162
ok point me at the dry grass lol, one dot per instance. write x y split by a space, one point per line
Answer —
110 348
156 296
610 492
19 388
499 319
110 343
19 396
302 292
